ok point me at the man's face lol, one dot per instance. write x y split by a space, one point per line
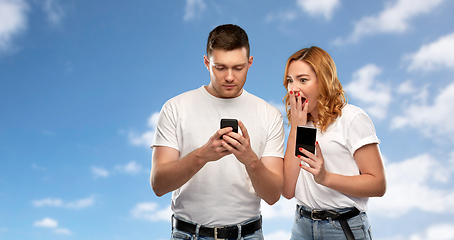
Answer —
228 72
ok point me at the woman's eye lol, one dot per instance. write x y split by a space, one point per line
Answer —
289 80
303 79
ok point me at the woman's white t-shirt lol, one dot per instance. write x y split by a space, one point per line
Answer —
338 144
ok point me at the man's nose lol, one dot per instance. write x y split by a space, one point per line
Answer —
229 76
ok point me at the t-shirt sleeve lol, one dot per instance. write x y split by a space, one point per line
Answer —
361 132
275 139
166 129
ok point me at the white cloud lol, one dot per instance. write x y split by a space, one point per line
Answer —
324 8
434 55
279 235
431 120
444 231
63 231
51 223
406 87
81 203
99 172
371 91
13 21
130 168
56 202
395 18
282 209
46 222
412 184
53 202
149 211
54 11
145 139
193 8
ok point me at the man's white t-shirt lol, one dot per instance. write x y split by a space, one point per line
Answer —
220 193
338 144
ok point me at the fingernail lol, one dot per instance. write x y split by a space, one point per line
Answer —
316 142
301 149
298 95
291 92
306 100
301 165
299 156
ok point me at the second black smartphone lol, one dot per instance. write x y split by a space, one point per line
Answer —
305 138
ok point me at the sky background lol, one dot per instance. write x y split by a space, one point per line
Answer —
82 82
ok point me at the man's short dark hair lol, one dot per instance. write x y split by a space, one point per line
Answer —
227 37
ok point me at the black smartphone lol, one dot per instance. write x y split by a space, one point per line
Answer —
226 122
305 138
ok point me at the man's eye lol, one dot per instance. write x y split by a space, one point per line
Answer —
238 68
220 68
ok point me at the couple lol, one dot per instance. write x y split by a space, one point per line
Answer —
218 177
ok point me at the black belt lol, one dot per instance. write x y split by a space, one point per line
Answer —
326 214
227 232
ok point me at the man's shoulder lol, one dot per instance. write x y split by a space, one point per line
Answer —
185 96
260 101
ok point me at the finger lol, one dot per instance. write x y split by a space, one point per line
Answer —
310 162
306 107
292 99
221 132
298 98
228 146
243 130
318 150
307 153
307 168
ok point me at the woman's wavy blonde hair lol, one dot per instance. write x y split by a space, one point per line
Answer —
332 97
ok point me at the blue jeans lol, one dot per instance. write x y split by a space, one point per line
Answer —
308 229
180 235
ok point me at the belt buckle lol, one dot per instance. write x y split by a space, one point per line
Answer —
216 233
314 213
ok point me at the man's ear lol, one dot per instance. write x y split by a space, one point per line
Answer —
251 59
206 62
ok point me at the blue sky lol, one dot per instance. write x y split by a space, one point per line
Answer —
82 82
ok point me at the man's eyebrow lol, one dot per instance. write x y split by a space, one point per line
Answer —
236 65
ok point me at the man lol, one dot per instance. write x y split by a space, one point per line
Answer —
217 176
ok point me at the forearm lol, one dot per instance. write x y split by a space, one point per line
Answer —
267 184
172 175
364 185
291 167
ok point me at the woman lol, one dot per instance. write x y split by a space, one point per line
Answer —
332 186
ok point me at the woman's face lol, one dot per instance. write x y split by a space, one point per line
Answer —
302 79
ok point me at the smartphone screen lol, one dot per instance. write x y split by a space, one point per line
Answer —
225 122
305 138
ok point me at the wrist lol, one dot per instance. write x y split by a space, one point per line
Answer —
199 157
252 164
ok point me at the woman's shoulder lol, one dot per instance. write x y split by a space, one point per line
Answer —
350 111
